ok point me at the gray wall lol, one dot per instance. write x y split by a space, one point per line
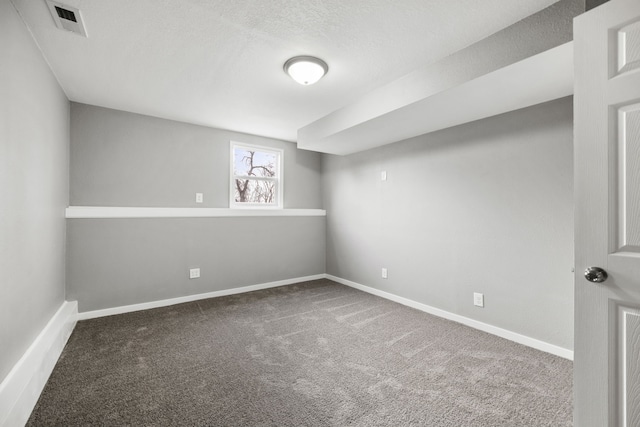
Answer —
590 4
116 262
34 159
125 159
483 207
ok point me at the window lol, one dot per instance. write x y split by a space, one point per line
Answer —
256 176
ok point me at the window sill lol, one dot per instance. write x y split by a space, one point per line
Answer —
139 212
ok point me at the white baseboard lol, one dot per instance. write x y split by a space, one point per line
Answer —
189 298
503 333
20 390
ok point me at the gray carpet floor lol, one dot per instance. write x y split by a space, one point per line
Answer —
312 354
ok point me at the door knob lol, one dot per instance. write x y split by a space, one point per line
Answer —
595 274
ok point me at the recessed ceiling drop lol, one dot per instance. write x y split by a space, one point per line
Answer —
306 70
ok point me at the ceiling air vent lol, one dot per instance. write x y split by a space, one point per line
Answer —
67 17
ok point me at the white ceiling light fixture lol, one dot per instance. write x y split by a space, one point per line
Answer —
306 70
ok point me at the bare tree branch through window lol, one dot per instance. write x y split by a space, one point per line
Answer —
256 176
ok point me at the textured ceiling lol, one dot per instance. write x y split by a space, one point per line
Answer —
219 63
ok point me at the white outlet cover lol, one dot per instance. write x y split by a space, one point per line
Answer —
384 273
478 299
383 175
199 197
194 273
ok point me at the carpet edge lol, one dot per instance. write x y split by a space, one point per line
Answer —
195 297
485 327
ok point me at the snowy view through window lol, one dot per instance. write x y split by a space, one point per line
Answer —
256 176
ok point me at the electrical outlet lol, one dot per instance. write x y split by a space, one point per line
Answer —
383 175
478 299
194 273
384 273
199 197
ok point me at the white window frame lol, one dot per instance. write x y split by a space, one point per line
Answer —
278 178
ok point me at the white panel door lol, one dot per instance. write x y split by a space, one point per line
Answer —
607 203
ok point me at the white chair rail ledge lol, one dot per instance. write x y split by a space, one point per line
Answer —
161 212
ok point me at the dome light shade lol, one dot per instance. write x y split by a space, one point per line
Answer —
306 70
